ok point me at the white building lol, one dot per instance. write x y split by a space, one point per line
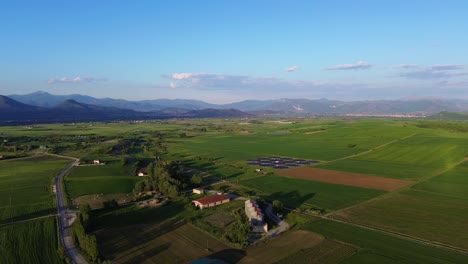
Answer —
255 216
198 191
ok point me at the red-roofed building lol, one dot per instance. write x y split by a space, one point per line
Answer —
211 201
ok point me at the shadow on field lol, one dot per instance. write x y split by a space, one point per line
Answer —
125 240
291 199
28 216
230 255
130 215
142 256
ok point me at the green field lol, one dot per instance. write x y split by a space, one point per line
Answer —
19 243
298 192
434 208
439 205
26 186
329 251
381 248
412 158
106 179
339 140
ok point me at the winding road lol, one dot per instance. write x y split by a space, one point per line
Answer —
66 217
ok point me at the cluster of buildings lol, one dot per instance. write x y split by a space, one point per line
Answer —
252 210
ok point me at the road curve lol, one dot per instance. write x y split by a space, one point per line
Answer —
65 233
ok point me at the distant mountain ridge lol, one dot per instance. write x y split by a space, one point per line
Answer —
295 106
44 99
14 112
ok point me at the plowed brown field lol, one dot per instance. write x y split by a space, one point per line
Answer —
346 178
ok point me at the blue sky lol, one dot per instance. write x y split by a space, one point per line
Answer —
225 51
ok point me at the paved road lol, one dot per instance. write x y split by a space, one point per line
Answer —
65 218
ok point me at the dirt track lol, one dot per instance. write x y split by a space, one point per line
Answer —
346 178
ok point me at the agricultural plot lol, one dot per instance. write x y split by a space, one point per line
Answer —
166 242
105 179
281 247
345 178
329 251
19 242
410 159
342 139
435 210
377 247
306 193
26 186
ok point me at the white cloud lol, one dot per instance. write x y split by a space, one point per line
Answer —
293 68
227 82
438 71
360 65
181 76
447 67
404 66
77 79
431 74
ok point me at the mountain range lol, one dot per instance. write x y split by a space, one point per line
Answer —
14 112
281 106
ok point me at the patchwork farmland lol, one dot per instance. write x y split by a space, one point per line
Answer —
385 180
345 178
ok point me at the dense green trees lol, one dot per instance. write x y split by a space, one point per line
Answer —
86 242
239 231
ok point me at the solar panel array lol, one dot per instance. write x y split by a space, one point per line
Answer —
278 162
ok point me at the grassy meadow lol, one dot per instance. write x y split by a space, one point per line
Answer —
26 186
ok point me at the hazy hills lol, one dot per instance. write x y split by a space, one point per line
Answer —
298 106
14 112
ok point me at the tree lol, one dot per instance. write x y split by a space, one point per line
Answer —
196 179
239 231
278 206
84 214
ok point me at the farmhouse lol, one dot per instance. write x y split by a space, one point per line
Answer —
211 201
255 216
198 191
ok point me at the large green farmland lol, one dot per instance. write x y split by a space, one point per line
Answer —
26 186
439 205
377 247
30 242
412 158
337 141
